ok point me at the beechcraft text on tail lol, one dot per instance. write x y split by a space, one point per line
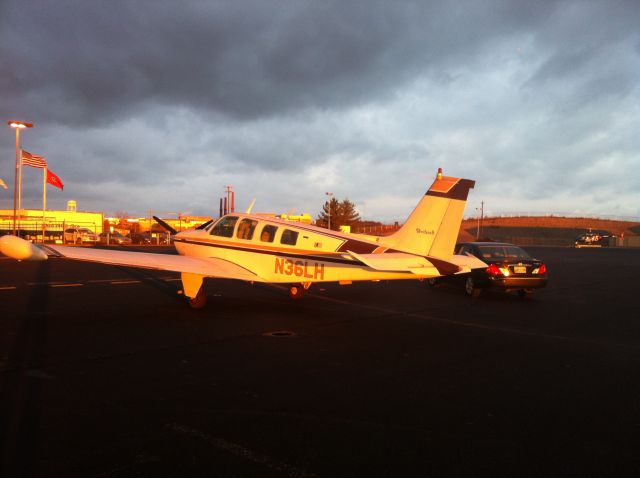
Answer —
257 248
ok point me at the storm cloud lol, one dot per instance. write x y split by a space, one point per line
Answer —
158 105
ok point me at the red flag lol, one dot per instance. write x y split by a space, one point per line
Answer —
54 180
33 160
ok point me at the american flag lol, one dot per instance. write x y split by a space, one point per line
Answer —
33 160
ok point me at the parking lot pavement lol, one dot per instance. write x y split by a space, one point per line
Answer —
106 372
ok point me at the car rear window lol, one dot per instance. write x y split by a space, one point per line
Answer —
498 253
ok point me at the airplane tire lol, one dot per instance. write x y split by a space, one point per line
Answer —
199 301
296 291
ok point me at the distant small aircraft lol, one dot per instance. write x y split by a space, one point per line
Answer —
257 248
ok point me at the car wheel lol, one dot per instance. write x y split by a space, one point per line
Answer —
471 289
523 294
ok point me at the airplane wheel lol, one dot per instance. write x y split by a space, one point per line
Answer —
199 301
296 291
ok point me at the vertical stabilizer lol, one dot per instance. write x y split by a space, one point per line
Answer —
433 226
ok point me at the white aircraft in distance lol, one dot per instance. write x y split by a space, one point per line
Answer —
258 248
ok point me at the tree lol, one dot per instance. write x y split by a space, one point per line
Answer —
122 219
338 213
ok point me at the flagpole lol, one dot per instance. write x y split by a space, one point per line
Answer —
44 199
20 186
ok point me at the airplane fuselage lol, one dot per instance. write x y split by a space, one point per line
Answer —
290 252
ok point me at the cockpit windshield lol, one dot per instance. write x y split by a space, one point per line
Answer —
224 227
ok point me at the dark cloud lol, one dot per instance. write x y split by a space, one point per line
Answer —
85 63
173 98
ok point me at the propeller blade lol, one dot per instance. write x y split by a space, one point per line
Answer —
204 224
165 225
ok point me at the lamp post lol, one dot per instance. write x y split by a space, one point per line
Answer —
480 218
17 181
329 209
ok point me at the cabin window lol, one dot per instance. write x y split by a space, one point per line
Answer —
268 233
224 227
246 228
289 237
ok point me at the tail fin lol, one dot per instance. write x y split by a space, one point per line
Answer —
433 226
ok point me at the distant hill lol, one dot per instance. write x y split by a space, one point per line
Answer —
543 230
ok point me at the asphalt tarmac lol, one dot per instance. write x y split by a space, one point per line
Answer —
106 372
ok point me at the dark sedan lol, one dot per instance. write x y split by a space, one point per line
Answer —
510 269
141 238
113 238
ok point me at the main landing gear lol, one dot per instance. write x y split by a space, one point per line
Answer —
296 291
193 290
199 301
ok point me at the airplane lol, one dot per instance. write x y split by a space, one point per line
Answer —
258 248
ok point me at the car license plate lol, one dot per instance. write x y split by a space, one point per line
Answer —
519 269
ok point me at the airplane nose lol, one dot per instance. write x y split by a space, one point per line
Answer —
20 249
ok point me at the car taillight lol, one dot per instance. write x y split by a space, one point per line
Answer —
493 270
540 270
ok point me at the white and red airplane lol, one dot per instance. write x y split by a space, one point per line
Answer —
258 248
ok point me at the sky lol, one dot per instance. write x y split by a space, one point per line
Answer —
158 105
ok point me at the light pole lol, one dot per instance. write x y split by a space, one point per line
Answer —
17 183
329 209
480 218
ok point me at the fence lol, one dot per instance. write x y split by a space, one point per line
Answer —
36 229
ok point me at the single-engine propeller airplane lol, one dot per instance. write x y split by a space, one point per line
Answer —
258 248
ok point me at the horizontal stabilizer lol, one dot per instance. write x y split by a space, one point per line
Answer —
467 262
403 262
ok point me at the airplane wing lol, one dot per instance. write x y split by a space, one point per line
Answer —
202 266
